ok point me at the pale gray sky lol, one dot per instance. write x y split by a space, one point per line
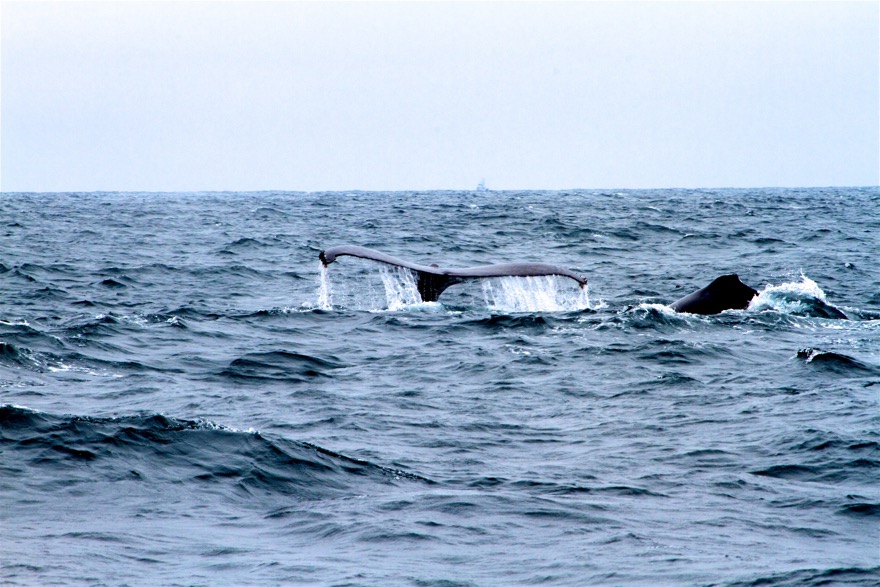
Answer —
333 96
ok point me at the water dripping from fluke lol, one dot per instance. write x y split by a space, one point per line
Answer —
533 294
325 301
511 294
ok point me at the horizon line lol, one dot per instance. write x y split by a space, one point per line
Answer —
464 190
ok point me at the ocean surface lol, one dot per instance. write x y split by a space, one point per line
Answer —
188 398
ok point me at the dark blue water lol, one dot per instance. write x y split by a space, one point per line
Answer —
184 400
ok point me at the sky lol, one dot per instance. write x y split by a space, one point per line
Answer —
192 96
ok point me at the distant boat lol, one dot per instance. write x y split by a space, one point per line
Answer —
481 187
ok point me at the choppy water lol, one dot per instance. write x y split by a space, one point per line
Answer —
186 399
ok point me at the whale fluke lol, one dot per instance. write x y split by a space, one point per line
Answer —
725 293
431 280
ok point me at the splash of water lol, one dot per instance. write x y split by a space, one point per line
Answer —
533 294
803 298
503 294
397 289
806 287
325 300
400 287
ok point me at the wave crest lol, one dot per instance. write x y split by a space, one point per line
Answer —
81 449
802 298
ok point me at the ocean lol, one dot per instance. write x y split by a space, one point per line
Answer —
188 397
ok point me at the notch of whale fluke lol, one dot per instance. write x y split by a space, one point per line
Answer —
431 280
724 293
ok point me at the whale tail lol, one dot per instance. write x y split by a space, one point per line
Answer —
431 285
431 280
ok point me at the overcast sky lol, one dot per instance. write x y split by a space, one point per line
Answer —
174 96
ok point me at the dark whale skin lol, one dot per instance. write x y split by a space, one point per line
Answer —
724 293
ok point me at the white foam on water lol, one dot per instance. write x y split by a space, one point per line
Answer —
661 308
789 297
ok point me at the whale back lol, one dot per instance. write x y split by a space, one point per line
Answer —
724 293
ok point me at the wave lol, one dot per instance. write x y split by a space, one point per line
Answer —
823 457
505 321
47 271
861 510
114 283
9 354
87 331
803 298
69 450
47 294
814 578
280 366
837 363
651 316
21 357
244 244
563 489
